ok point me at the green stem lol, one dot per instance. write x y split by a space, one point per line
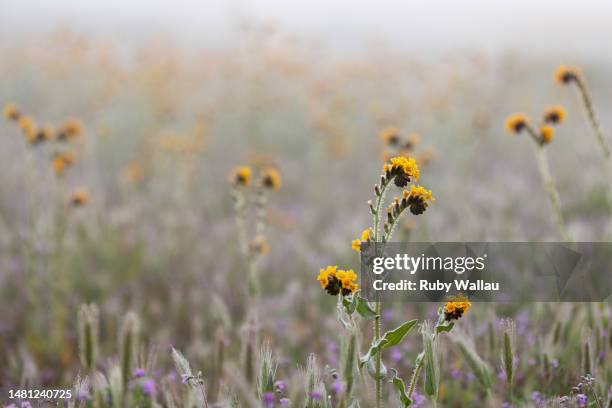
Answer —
588 104
553 195
377 324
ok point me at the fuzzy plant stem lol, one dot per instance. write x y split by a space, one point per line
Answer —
593 119
553 194
378 307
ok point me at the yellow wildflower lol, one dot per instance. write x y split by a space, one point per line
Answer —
271 179
11 111
516 123
79 198
241 176
565 74
455 309
402 170
554 114
547 133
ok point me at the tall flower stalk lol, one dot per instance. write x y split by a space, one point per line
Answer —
543 136
566 75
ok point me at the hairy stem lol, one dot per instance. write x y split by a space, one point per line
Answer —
588 104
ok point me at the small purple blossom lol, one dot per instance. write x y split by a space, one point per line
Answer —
418 399
507 405
284 401
26 404
396 354
455 372
10 406
185 378
337 386
268 398
537 398
83 395
148 387
554 363
280 386
582 400
316 395
139 372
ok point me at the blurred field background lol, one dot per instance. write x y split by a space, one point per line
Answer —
166 119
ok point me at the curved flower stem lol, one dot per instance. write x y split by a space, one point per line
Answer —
588 104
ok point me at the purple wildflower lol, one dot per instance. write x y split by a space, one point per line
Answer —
280 386
455 372
337 386
268 398
284 401
418 399
316 395
396 354
582 400
507 405
538 398
26 404
148 387
554 363
139 372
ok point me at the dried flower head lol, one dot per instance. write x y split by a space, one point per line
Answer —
391 135
241 176
11 111
271 179
402 170
516 123
554 114
547 133
456 308
69 129
565 74
78 198
336 281
365 237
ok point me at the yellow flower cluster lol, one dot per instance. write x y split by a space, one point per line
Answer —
365 237
241 176
61 161
547 133
516 123
79 198
419 191
565 74
554 114
271 179
336 281
455 309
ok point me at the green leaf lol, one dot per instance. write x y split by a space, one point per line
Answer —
390 339
400 386
350 303
371 366
445 327
364 309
